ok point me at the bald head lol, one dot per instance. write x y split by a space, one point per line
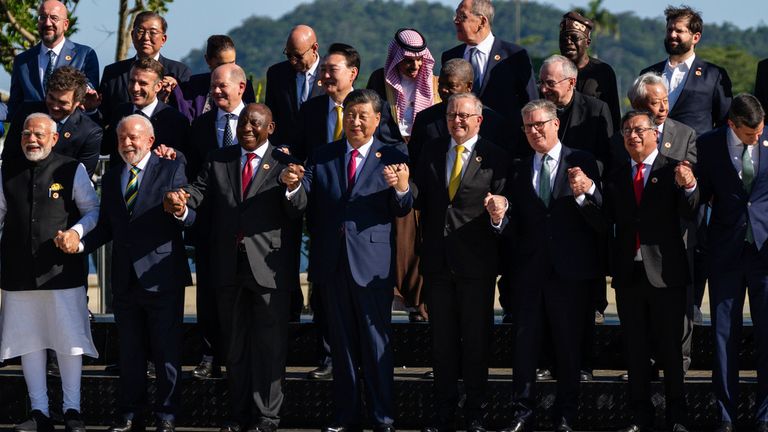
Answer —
227 86
301 48
52 22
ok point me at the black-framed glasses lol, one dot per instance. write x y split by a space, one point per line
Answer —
571 37
639 131
54 18
294 56
461 116
550 84
539 126
140 32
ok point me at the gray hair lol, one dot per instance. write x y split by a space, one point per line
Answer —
638 93
540 104
44 116
475 101
147 123
484 8
569 69
460 68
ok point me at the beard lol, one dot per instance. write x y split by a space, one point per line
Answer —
681 48
37 156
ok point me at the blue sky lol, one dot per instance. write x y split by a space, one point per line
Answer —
191 21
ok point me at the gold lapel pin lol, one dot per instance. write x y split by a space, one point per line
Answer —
378 154
265 166
479 158
698 71
68 58
667 145
765 143
55 195
654 180
67 134
497 57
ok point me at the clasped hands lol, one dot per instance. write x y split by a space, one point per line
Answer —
175 202
684 175
396 176
68 241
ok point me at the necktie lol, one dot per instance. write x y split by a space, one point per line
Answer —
59 126
226 139
545 188
352 168
747 177
455 180
305 89
474 59
132 189
49 68
638 184
338 129
247 171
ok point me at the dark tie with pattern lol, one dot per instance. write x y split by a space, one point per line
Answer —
132 189
49 68
226 139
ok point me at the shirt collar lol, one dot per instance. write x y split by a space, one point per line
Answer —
554 152
313 69
648 161
156 56
660 127
147 110
484 46
259 152
142 165
63 121
332 104
733 140
221 113
363 150
56 49
469 145
684 66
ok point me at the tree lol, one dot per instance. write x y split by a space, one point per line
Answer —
19 27
740 64
605 22
126 14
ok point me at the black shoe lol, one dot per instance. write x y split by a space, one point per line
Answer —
725 427
383 428
586 375
321 373
165 426
124 424
230 427
73 422
516 426
761 427
151 373
428 375
563 426
206 370
633 428
475 426
543 374
38 422
677 427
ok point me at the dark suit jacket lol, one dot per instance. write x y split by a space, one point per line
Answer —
189 97
202 141
280 97
508 83
147 243
264 218
355 225
597 79
706 96
587 126
732 207
311 127
171 128
657 219
563 237
761 83
678 142
80 138
114 83
431 124
25 77
457 235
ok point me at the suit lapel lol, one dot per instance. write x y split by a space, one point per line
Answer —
35 72
150 173
494 57
625 184
762 165
69 129
473 164
560 174
691 81
652 180
292 95
263 171
527 178
370 163
667 136
66 55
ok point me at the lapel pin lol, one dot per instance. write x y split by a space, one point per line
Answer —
67 134
68 58
654 180
667 145
265 166
378 154
497 57
765 143
479 158
698 71
55 195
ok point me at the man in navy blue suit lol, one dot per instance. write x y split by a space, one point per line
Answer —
733 171
356 187
33 67
149 272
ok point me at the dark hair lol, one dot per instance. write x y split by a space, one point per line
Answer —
149 15
695 23
149 64
217 44
362 96
638 113
349 52
746 111
67 78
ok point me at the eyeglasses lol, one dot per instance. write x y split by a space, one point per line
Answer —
462 17
461 116
539 126
294 56
54 18
550 84
140 32
573 38
639 131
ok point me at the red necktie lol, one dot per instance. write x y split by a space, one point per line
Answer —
352 169
639 183
248 171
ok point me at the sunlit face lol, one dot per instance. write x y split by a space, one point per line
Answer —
574 45
226 90
360 122
554 86
448 85
148 37
134 141
254 127
143 86
463 119
52 22
226 56
540 130
38 139
60 103
337 77
468 25
639 137
410 66
301 54
679 39
656 102
746 134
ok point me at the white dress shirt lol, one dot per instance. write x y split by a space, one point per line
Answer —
42 57
409 93
126 174
484 52
221 123
147 110
674 78
553 163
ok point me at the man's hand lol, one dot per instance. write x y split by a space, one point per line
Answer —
68 241
175 202
396 176
165 152
580 183
92 100
684 175
169 83
496 206
291 176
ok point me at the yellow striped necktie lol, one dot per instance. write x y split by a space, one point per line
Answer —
339 117
132 189
455 181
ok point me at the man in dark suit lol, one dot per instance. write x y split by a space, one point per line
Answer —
148 37
645 198
292 82
699 91
459 257
761 82
252 257
144 84
32 68
193 98
79 136
356 187
555 219
504 78
733 168
149 272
